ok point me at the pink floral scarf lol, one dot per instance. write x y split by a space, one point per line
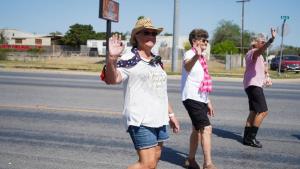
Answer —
206 83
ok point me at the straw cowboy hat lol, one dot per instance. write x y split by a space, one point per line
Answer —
142 23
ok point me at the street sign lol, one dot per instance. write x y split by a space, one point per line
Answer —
285 17
109 10
286 30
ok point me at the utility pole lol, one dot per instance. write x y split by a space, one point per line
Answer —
242 32
175 36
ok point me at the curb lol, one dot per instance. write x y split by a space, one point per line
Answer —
172 77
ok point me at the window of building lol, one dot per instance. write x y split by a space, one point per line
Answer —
18 41
38 41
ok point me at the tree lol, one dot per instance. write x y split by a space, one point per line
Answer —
3 52
227 30
56 33
225 47
2 37
78 35
287 50
186 45
168 34
102 35
247 38
141 17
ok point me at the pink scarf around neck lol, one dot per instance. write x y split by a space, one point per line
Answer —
206 83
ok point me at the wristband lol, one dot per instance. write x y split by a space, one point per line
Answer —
269 42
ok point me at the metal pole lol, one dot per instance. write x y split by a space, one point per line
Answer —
242 32
242 36
108 35
267 53
53 49
281 47
175 36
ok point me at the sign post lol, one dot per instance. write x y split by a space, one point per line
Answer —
281 45
108 10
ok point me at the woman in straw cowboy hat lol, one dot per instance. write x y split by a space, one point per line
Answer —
146 109
255 77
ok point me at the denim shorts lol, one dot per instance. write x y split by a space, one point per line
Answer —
146 137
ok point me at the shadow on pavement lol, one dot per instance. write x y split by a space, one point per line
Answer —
227 134
173 156
296 135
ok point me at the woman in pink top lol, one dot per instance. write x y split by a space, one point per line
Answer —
254 79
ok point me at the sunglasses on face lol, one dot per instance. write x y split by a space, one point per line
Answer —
148 33
203 40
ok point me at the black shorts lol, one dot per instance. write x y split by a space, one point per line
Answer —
256 98
197 112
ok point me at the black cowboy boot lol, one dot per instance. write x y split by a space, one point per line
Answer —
251 138
246 133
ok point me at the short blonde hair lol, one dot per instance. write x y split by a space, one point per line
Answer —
257 38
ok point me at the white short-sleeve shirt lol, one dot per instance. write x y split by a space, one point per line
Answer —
190 81
145 94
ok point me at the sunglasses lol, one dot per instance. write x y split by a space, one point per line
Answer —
203 40
148 33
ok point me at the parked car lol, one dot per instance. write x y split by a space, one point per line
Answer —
288 63
274 63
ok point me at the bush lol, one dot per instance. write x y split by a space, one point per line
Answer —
3 54
223 48
36 50
187 46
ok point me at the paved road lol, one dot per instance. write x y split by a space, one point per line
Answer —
68 121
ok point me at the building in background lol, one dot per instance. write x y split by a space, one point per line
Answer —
23 41
17 39
163 46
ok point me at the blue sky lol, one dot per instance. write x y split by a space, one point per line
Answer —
45 16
